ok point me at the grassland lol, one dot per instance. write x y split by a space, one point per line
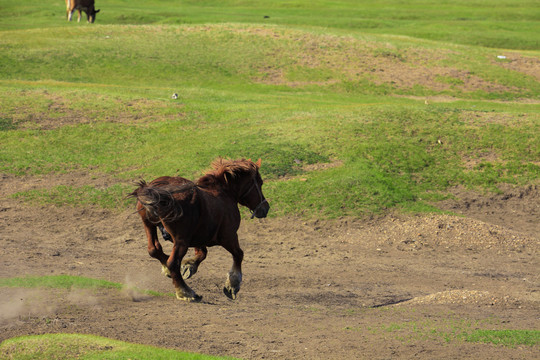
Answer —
78 346
505 24
395 120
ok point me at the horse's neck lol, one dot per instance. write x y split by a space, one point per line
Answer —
218 185
207 182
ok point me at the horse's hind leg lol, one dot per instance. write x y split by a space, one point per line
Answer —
189 266
154 247
234 277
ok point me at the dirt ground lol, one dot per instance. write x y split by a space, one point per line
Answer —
382 288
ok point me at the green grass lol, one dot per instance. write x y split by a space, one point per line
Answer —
503 24
314 84
452 329
397 162
65 282
58 281
505 337
87 347
245 59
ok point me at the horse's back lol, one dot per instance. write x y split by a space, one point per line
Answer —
170 181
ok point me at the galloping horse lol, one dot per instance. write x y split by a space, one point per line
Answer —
201 214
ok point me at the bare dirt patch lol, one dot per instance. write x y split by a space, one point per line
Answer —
42 110
312 289
515 208
524 64
11 184
355 60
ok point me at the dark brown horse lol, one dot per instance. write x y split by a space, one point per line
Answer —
201 214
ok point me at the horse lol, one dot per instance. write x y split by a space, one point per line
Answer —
200 214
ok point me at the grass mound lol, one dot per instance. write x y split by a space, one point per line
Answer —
88 347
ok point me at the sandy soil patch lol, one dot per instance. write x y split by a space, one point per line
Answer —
312 289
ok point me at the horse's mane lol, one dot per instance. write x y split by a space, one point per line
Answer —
221 167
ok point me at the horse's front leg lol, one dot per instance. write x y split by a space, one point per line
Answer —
234 277
189 266
183 291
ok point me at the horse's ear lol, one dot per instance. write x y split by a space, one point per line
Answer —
258 163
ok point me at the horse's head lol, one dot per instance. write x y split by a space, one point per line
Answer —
243 179
251 194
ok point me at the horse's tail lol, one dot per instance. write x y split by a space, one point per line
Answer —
159 202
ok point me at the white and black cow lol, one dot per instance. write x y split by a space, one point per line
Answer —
81 5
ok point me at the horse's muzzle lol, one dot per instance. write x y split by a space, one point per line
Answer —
261 210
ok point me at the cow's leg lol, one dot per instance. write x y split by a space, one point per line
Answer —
183 291
79 15
234 277
70 14
68 10
189 266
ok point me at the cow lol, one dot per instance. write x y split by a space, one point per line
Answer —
81 5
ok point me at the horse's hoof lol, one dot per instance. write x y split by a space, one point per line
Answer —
165 271
188 270
194 299
191 298
230 293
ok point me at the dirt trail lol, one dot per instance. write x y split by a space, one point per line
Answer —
389 287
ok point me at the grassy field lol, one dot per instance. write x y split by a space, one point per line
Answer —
504 24
89 347
349 120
